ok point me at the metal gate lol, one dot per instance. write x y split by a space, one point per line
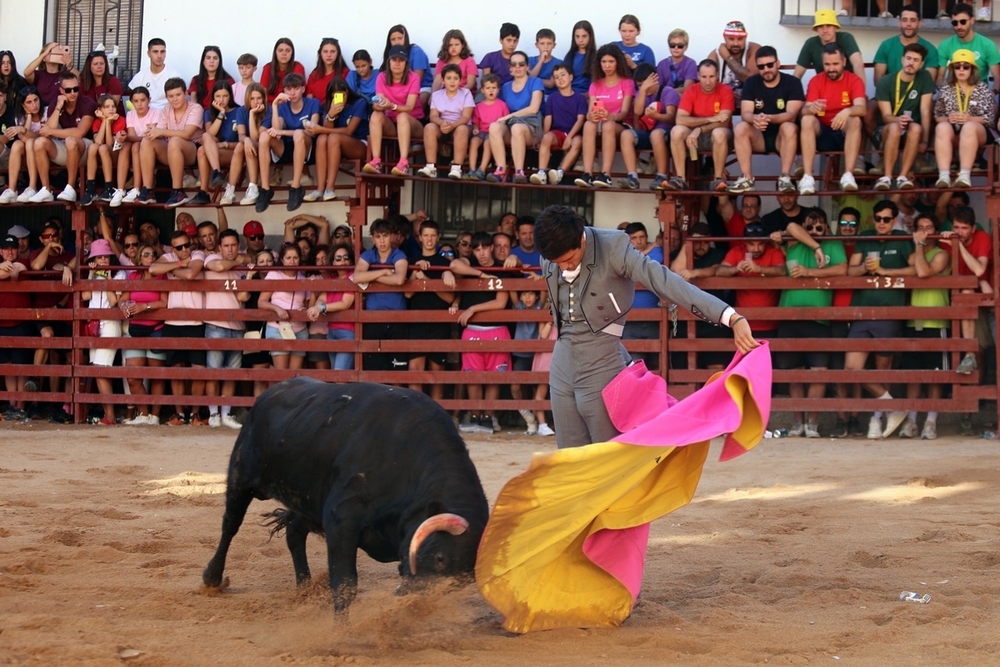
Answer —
86 24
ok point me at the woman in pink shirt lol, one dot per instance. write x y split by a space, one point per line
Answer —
135 304
455 51
396 112
611 95
283 304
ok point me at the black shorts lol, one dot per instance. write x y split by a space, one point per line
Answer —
877 329
178 357
926 361
16 355
830 140
386 361
59 329
522 363
807 329
771 138
436 352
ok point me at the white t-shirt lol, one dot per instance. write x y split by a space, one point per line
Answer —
154 82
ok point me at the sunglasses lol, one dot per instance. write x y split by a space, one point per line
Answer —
29 90
958 22
183 246
74 89
848 223
674 45
340 235
48 237
814 228
131 245
341 258
255 237
767 65
883 218
962 66
463 243
518 64
447 253
148 254
753 229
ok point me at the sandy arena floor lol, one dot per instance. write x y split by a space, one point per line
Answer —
793 554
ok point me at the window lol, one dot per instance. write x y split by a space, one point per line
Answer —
84 24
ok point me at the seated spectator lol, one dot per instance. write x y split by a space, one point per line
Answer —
283 63
10 268
45 72
338 301
498 62
329 65
137 120
429 265
287 140
827 29
543 65
635 53
97 80
392 266
880 258
17 145
342 133
155 76
582 56
219 142
171 142
677 71
758 258
522 126
258 359
247 65
610 106
736 58
134 305
362 79
109 136
836 103
905 113
396 112
562 127
210 72
450 116
654 111
965 113
99 261
250 117
704 122
283 304
11 78
64 138
489 111
417 60
975 258
963 23
770 109
455 51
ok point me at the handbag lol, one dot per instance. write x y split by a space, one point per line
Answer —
92 329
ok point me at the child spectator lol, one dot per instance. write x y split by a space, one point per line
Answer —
677 70
654 111
541 362
455 51
362 79
635 53
109 137
282 64
610 105
250 117
565 112
343 131
451 112
523 125
171 142
210 71
417 60
498 62
218 144
21 146
543 65
487 112
141 116
397 111
329 63
582 56
286 139
383 254
247 65
522 361
99 261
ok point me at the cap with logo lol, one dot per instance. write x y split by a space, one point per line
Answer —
8 242
253 228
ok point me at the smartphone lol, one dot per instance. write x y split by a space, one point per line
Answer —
339 98
58 54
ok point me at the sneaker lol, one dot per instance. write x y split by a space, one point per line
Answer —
140 420
199 199
967 365
743 184
529 420
68 194
263 200
555 176
796 430
402 168
117 197
892 422
26 195
104 421
428 171
8 197
153 420
676 183
539 178
177 198
494 424
807 185
197 421
251 195
373 167
130 196
930 430
965 425
176 420
943 182
329 195
785 183
984 14
839 429
88 198
602 180
15 415
216 180
476 175
877 170
498 176
943 14
854 429
629 183
295 197
532 429
584 180
519 177
886 15
42 196
847 182
468 428
455 173
798 168
659 182
313 195
228 195
107 193
189 182
909 429
812 431
860 169
961 181
214 420
903 183
60 416
230 421
545 429
884 183
875 428
305 180
719 185
841 12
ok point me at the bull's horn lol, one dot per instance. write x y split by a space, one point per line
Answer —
451 523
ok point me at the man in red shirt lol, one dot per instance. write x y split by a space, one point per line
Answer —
836 103
975 251
737 221
756 259
704 122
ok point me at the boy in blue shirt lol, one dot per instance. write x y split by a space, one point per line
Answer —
288 138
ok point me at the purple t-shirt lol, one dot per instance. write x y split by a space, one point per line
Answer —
565 109
498 65
451 108
668 98
673 75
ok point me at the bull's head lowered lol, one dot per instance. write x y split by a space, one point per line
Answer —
443 556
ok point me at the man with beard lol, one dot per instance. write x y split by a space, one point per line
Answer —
966 37
769 109
904 103
889 57
704 122
788 211
736 221
735 57
836 102
706 259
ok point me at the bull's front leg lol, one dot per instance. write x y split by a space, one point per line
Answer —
238 499
342 525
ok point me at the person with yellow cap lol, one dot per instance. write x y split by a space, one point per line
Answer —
827 29
963 22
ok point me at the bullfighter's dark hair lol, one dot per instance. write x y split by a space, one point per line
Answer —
558 229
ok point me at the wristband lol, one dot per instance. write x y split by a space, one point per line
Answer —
736 320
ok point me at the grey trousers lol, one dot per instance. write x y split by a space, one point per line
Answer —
583 363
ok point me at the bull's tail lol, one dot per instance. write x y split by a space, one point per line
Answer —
277 520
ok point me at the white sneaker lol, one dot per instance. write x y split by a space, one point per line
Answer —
68 194
251 196
984 14
892 422
539 177
26 196
875 428
888 15
807 185
190 182
139 420
130 196
796 430
42 196
847 182
909 429
313 195
841 12
428 171
496 424
329 195
930 430
455 173
545 429
214 420
812 431
8 197
228 195
117 198
306 181
555 176
153 420
884 183
230 421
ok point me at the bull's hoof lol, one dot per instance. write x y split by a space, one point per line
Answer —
210 589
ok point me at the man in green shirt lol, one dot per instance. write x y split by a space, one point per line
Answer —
827 29
884 260
966 37
904 103
890 52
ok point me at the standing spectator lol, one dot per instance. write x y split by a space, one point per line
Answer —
283 304
788 211
319 257
704 122
287 139
172 142
757 259
391 270
644 298
965 113
849 224
219 265
10 268
524 361
429 265
677 71
975 258
156 74
335 302
63 138
134 305
283 63
526 250
258 359
99 261
736 221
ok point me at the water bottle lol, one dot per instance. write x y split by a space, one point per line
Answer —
378 99
912 596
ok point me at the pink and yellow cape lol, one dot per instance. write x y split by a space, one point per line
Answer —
566 542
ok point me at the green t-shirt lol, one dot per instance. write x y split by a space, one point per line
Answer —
890 54
885 91
806 257
892 255
986 52
811 55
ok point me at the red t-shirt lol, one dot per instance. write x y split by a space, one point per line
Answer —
117 125
839 94
980 245
700 104
317 82
206 101
757 298
49 299
265 78
735 227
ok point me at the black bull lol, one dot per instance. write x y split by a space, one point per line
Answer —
372 467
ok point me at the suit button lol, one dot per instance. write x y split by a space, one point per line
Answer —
607 319
600 308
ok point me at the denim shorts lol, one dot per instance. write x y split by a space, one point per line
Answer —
223 358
